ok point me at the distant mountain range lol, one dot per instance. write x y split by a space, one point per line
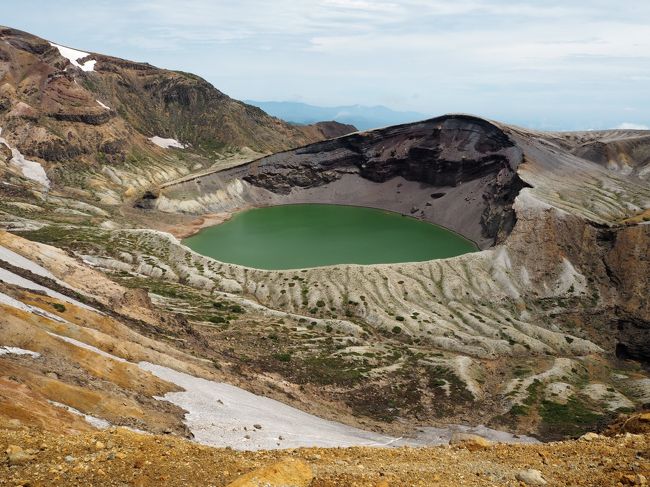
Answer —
362 117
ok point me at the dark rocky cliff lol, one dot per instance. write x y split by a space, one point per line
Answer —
445 152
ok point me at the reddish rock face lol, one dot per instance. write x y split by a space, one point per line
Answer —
58 113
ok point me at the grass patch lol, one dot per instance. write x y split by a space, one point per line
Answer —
570 419
331 370
282 357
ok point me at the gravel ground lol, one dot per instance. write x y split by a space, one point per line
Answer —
119 457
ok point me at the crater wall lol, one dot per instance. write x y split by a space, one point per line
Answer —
457 171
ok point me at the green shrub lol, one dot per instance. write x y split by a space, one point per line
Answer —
519 410
59 307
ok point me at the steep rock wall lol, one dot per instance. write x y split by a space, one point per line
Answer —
456 170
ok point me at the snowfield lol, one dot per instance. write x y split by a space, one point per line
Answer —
30 169
102 105
79 344
11 278
73 55
18 260
92 420
14 303
18 351
167 143
223 415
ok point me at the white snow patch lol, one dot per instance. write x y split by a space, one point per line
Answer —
98 423
18 260
17 351
223 415
102 105
14 303
167 143
11 278
79 344
30 169
73 55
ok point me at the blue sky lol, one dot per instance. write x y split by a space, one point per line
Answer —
546 64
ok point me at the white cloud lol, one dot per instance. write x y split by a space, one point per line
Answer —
536 60
632 126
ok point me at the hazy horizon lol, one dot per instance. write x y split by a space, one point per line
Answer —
540 64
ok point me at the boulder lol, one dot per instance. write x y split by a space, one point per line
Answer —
18 456
531 477
591 437
469 441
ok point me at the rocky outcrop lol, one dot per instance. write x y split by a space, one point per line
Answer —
446 151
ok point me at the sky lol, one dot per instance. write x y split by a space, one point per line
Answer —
571 64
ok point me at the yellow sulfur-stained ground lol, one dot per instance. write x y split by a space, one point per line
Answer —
119 457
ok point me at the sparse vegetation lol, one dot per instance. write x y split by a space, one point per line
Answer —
283 357
565 420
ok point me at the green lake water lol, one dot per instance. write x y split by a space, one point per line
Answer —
298 236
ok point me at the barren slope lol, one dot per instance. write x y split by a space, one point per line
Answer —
101 126
119 457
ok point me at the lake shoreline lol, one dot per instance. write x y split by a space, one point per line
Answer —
189 229
185 230
339 234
